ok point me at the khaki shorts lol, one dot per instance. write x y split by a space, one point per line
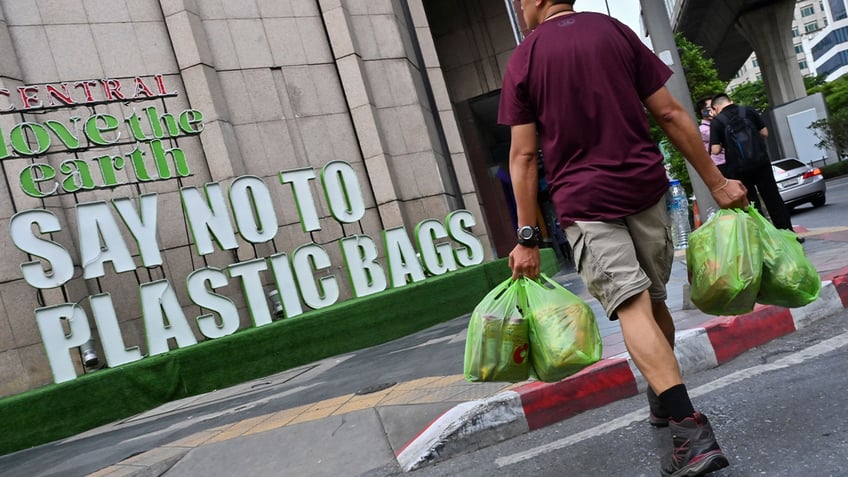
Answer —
619 259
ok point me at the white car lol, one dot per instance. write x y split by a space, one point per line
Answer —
799 183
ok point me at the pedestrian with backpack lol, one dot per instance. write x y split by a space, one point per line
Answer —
740 133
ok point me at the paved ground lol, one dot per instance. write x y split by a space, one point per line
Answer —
416 407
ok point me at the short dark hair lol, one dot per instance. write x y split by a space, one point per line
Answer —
701 106
721 98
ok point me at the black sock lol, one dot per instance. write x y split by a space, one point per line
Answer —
677 403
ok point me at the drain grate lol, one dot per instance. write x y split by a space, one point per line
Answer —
374 388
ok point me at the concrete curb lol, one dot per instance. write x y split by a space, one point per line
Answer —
473 425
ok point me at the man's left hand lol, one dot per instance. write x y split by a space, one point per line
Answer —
525 261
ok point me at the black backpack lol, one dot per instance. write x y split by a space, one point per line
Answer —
743 145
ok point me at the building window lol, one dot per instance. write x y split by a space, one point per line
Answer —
802 64
759 76
811 27
837 9
799 49
755 63
839 60
808 10
795 32
837 37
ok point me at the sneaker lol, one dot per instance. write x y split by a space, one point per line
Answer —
658 417
800 239
696 451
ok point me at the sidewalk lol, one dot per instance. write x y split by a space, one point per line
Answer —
411 424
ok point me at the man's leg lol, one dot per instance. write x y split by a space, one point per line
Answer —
696 451
750 181
658 416
649 346
767 187
663 318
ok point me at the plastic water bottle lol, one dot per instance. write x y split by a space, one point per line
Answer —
678 210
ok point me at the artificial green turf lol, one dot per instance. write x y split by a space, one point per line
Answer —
60 410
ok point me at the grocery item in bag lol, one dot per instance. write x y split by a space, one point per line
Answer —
725 263
497 344
789 278
564 336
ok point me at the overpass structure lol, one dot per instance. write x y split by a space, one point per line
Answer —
730 30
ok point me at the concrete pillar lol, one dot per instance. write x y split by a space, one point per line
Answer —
769 31
203 88
657 23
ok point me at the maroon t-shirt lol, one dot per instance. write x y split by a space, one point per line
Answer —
582 78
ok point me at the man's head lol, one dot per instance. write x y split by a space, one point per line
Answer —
704 107
535 11
720 101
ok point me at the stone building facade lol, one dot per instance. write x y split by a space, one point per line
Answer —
132 127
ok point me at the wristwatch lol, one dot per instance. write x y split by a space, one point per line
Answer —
529 236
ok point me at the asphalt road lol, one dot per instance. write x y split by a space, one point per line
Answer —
829 215
778 410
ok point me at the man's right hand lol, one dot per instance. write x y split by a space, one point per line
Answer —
732 194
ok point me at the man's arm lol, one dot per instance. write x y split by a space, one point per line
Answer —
764 133
681 130
715 132
525 186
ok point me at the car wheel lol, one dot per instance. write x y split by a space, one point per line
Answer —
819 201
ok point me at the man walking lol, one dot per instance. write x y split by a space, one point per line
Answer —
577 86
748 162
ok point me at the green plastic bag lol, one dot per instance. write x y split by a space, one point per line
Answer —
789 278
564 336
497 345
725 263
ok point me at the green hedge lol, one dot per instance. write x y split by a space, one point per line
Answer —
835 170
60 410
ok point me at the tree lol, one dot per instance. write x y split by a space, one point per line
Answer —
702 79
833 131
751 94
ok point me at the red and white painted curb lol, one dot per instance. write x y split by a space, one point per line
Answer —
476 424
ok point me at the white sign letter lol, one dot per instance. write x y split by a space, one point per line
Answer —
286 286
299 179
142 225
306 259
344 195
56 342
360 254
59 260
400 255
208 219
457 223
437 259
95 222
251 283
253 209
202 296
158 297
114 348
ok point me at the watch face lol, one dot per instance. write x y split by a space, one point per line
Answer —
525 233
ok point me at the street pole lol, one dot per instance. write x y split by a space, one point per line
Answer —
658 25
